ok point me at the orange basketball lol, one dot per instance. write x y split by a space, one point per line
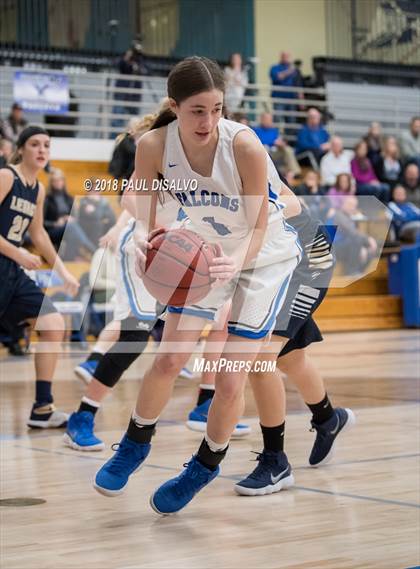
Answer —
177 268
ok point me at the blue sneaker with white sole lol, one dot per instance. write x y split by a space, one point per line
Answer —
272 474
176 493
197 421
80 435
112 478
86 370
326 433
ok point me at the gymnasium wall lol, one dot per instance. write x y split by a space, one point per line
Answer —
80 158
222 28
297 26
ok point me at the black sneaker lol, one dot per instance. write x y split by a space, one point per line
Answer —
47 417
272 474
326 433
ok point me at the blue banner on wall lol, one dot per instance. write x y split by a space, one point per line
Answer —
41 92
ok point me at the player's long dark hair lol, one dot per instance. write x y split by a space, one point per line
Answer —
189 77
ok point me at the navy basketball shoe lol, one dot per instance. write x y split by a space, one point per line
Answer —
326 433
272 474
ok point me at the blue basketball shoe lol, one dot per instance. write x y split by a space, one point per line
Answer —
176 493
86 370
272 474
326 433
112 478
80 435
197 421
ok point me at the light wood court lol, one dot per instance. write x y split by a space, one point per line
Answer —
361 511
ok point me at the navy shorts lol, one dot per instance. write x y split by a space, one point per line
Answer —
20 298
295 320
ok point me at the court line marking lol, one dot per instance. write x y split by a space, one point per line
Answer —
376 397
235 478
55 433
359 497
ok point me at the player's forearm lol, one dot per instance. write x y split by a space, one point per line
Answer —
123 218
42 242
293 206
9 250
128 202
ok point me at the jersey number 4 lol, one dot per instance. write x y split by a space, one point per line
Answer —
18 228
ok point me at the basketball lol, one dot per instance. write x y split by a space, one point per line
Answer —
177 268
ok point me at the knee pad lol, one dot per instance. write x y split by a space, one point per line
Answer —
120 357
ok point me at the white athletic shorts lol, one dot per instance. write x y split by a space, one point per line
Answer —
257 294
131 296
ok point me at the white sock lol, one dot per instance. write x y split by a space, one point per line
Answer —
207 386
91 402
98 350
215 447
140 421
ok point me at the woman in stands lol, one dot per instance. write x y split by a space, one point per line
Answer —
21 210
62 227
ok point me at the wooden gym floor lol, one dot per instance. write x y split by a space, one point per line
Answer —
361 511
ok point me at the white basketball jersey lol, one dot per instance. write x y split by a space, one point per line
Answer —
215 204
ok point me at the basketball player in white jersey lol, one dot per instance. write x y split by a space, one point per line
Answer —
136 312
237 205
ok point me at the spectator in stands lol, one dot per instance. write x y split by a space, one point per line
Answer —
16 339
389 167
312 140
64 119
121 165
353 248
266 131
335 162
95 215
410 179
405 215
241 118
375 142
59 222
236 82
131 64
2 135
283 74
367 184
6 151
281 153
410 142
14 124
314 195
344 186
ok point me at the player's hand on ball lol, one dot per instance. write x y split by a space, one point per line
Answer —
142 246
223 269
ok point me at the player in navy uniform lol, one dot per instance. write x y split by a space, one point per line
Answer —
307 290
21 210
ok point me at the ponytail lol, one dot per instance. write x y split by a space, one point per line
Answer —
16 157
164 117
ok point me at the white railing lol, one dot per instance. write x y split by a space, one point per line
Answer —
103 114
